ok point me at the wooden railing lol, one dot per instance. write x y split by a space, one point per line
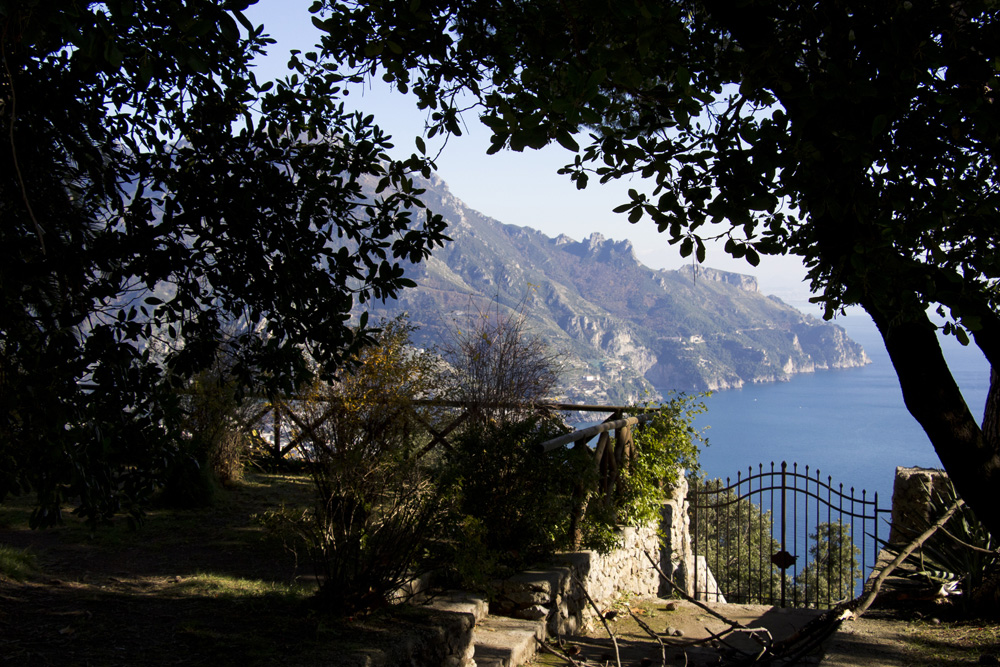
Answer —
613 454
283 444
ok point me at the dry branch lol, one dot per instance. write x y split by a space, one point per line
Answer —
789 649
548 649
618 660
866 600
677 589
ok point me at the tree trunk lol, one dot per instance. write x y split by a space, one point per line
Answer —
991 416
932 396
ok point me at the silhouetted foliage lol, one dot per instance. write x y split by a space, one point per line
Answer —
155 195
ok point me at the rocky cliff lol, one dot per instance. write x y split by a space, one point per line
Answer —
625 330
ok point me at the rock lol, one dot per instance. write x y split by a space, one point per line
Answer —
533 613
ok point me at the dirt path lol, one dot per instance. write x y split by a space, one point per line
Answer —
905 638
896 638
679 623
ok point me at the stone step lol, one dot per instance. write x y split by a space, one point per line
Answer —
506 642
461 602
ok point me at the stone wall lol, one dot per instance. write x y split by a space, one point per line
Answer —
676 554
555 593
912 507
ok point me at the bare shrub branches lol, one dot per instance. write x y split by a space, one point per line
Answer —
499 367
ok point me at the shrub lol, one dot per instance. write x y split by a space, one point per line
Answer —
500 370
513 500
215 449
375 506
962 552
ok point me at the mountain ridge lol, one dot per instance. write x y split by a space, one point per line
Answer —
625 331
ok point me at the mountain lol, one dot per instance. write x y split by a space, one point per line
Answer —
624 330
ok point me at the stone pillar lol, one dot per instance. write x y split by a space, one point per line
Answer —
676 555
912 494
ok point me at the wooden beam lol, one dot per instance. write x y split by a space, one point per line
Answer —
557 407
438 437
306 430
590 432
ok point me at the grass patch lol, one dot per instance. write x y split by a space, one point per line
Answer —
256 493
15 511
16 564
950 643
235 588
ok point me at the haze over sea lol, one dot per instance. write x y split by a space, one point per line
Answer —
851 423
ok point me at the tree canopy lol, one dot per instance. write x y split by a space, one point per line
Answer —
161 207
860 136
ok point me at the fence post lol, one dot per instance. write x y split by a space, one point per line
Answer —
276 408
784 470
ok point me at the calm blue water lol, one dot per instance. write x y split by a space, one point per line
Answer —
851 424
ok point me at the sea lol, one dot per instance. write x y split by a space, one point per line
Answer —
850 424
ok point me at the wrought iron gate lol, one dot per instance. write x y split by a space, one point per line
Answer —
781 536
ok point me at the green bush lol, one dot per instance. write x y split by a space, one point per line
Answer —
366 533
513 500
190 484
214 450
663 448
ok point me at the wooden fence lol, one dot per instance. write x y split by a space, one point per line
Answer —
612 455
608 462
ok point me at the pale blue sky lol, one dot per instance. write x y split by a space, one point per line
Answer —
515 188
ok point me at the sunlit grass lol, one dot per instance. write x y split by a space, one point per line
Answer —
16 564
234 588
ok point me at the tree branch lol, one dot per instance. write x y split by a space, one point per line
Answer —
866 600
13 149
618 660
649 631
